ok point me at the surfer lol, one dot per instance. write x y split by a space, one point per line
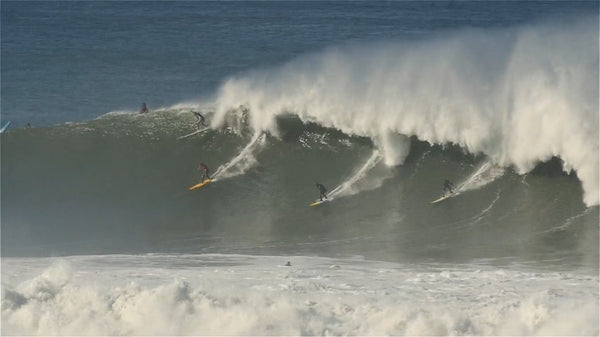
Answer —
448 187
322 191
144 108
205 171
201 119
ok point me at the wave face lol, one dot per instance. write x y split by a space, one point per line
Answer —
519 96
119 184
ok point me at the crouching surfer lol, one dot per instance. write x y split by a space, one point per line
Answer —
200 118
448 187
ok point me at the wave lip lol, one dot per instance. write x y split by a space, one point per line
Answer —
520 96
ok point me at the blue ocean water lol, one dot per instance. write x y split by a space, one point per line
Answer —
71 61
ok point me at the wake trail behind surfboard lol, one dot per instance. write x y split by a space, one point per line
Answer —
242 162
485 174
346 188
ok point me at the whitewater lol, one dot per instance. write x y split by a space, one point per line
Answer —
519 96
246 295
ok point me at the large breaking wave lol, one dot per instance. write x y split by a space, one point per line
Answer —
520 96
501 113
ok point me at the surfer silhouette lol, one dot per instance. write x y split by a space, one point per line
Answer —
144 108
322 191
205 171
201 119
448 187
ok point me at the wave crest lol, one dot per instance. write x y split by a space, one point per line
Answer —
520 96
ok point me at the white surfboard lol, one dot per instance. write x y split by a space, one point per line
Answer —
444 197
193 133
5 127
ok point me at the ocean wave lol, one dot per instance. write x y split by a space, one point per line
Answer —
520 96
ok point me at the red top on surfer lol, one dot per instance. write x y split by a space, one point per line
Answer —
204 170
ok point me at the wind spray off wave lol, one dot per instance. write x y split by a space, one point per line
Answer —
520 96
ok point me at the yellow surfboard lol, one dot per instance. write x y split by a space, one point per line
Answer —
202 184
318 202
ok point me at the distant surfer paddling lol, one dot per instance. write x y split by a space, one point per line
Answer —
322 191
144 108
200 118
205 170
448 187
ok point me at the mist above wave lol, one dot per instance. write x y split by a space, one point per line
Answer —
520 96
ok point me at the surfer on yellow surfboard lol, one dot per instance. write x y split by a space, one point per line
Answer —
322 195
205 170
205 177
322 191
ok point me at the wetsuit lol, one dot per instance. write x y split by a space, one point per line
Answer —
448 187
322 191
144 109
201 119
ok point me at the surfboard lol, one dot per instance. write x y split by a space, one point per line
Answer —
193 133
318 202
444 197
5 127
202 184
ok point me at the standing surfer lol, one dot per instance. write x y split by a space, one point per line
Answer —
204 170
201 119
322 191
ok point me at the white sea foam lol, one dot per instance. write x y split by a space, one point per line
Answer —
248 295
520 95
243 161
485 174
349 186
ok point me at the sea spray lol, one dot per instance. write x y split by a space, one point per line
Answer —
520 96
243 161
348 186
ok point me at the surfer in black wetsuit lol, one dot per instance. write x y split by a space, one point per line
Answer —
205 171
322 191
144 108
201 119
448 187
